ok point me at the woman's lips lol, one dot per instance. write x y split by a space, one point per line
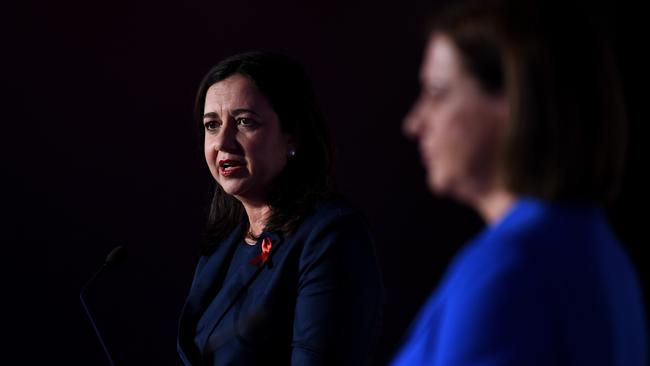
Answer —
229 167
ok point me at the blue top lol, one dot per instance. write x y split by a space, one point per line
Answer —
315 301
547 285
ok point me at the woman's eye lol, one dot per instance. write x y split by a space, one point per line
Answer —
211 125
246 122
437 92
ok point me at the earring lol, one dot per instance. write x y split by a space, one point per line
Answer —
292 152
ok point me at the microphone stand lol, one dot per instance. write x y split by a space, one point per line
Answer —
118 254
90 316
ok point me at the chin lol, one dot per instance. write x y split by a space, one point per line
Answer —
232 188
438 185
434 186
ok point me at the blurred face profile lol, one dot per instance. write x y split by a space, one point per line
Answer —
457 125
244 145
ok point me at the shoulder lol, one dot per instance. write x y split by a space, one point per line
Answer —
536 230
553 249
327 216
546 270
534 221
332 231
524 244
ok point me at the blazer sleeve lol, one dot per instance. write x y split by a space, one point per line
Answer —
340 295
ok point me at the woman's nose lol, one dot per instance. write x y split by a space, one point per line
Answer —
226 138
412 122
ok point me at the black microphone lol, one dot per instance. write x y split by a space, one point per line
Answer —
116 256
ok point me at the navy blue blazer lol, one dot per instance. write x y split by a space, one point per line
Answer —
316 301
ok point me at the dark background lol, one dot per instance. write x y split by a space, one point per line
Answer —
100 149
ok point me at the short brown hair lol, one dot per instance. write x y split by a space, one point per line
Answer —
567 133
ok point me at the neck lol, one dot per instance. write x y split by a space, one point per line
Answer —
489 197
258 213
493 205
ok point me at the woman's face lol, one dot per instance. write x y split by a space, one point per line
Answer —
244 145
458 126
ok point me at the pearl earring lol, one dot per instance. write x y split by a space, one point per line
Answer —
292 152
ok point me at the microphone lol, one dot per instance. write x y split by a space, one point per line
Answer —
116 256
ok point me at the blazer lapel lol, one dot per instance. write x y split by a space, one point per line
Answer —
207 280
232 290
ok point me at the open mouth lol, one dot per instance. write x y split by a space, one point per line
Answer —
229 167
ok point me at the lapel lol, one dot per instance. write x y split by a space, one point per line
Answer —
235 286
207 281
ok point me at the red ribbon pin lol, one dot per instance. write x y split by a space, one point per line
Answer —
264 256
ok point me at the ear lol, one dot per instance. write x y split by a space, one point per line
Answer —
291 145
291 141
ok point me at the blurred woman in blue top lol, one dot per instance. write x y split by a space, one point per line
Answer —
521 117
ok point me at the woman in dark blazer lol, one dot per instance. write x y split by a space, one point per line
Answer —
289 273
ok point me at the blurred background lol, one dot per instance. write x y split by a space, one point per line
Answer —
100 149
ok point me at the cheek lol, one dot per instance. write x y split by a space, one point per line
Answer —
210 157
207 153
447 138
453 143
275 159
267 156
479 143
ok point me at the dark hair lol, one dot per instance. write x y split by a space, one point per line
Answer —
566 136
307 177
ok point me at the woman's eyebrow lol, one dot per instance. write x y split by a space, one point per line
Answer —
235 112
244 110
211 115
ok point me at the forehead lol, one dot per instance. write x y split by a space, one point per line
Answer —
441 59
236 91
